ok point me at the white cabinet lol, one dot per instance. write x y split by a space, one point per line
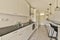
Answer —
9 36
25 32
8 6
13 36
0 38
20 34
59 33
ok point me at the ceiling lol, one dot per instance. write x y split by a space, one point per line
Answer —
41 4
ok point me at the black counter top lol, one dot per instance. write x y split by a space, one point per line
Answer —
6 30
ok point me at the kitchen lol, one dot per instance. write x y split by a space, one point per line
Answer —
19 19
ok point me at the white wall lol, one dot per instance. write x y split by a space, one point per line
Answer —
14 7
8 6
23 8
7 20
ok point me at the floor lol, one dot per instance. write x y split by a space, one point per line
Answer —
40 34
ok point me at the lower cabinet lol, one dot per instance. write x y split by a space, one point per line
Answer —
20 34
10 36
0 38
59 33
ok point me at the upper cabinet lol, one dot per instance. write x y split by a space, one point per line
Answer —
15 7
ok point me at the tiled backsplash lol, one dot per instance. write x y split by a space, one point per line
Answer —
11 20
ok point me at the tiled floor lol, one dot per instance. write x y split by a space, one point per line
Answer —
40 34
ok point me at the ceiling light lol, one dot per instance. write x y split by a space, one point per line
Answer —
42 14
57 7
50 8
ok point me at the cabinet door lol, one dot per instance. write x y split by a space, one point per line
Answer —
25 32
59 33
0 38
9 36
20 34
28 31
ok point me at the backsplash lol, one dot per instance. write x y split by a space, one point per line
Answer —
6 20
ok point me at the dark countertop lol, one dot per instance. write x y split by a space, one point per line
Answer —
6 30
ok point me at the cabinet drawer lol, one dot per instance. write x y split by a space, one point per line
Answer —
58 33
20 34
9 36
0 38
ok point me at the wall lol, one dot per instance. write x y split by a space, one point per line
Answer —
23 8
8 6
18 7
7 20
